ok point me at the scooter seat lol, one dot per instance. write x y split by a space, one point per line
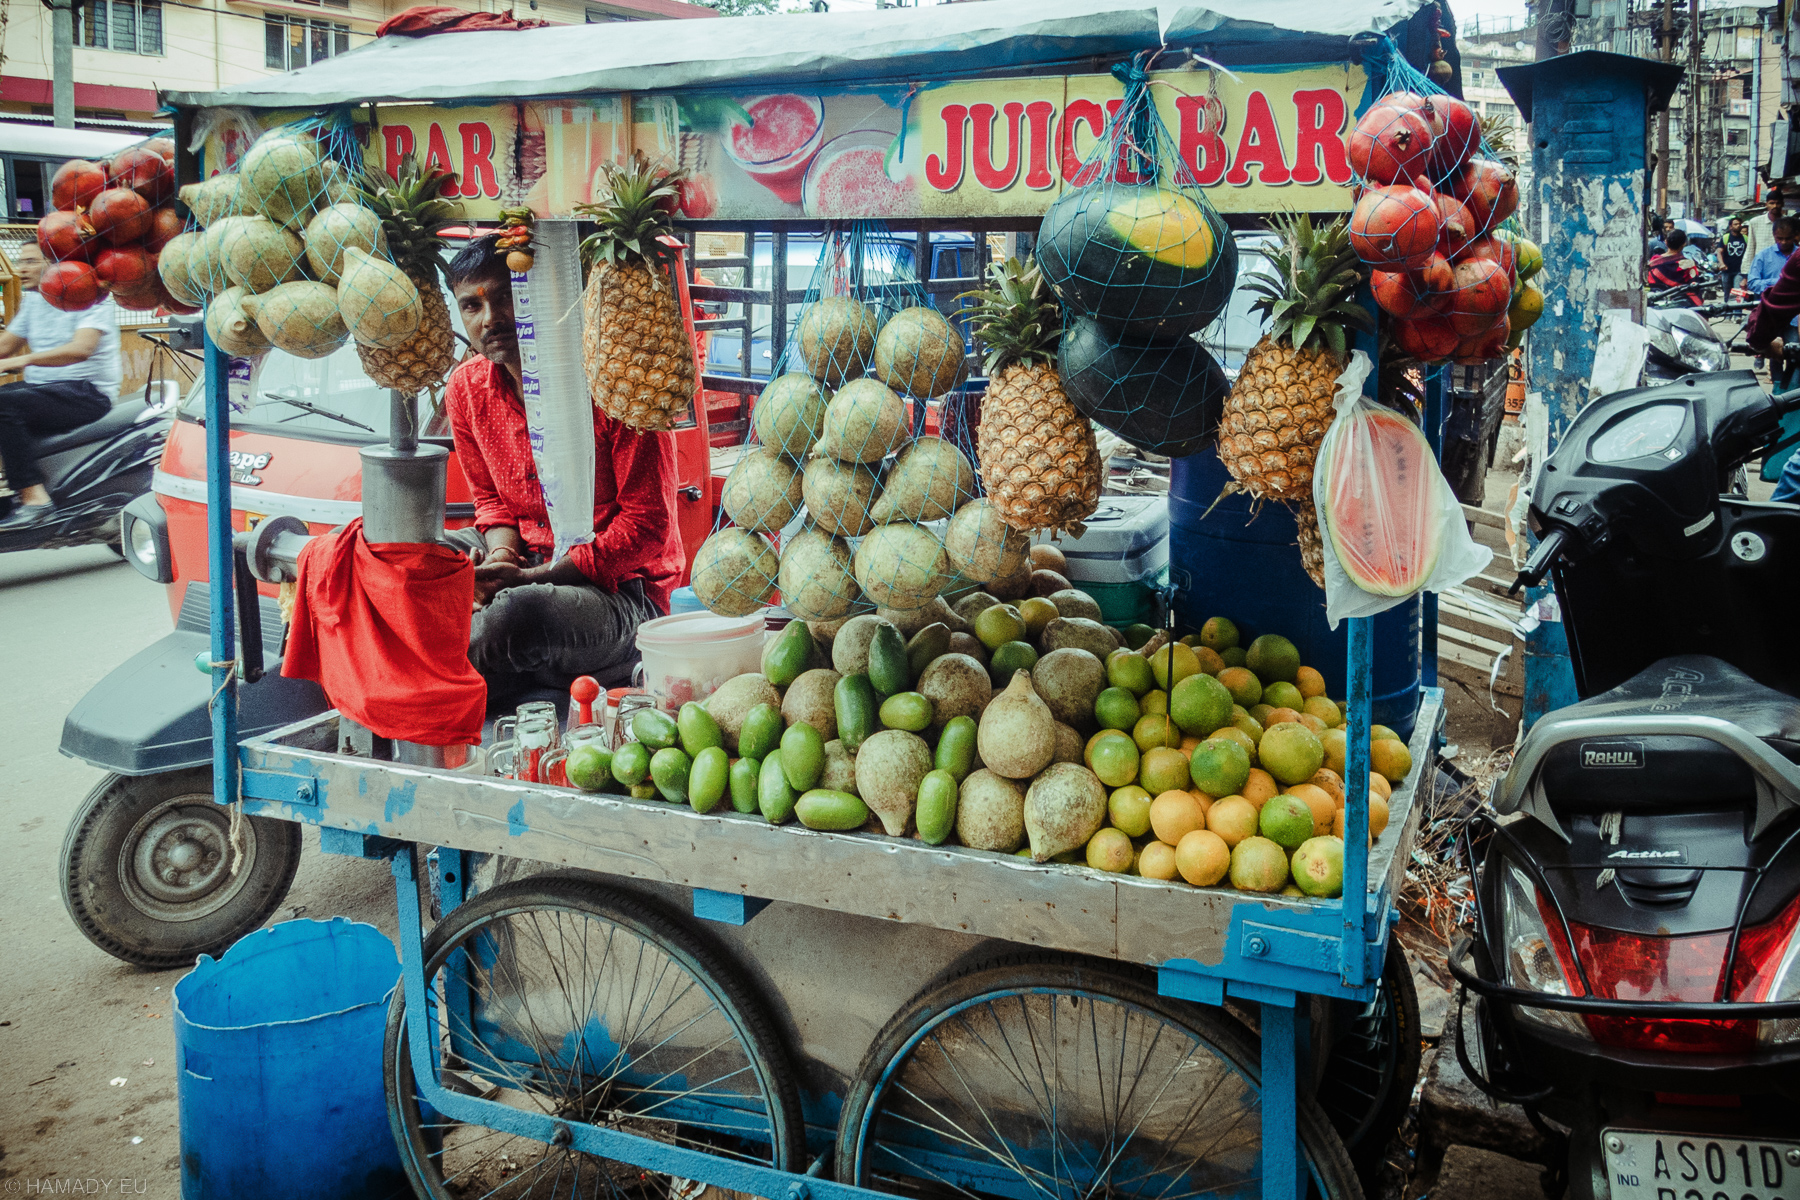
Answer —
1638 774
115 422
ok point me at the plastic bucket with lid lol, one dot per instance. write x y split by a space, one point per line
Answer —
278 1078
687 656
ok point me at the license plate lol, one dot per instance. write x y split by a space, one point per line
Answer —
1692 1166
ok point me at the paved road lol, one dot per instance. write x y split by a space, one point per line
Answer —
73 1020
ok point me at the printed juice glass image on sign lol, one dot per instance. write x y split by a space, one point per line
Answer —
856 175
775 140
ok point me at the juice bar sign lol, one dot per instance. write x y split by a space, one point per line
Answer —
1259 140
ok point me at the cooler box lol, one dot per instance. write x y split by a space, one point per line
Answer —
1123 558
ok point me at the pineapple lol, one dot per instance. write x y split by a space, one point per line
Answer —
1039 463
1280 406
635 345
412 212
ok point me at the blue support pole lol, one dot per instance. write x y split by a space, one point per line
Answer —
220 571
1428 617
1280 1105
1356 802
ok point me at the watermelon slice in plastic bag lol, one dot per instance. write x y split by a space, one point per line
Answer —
1391 524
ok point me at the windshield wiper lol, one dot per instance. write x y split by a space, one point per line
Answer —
316 410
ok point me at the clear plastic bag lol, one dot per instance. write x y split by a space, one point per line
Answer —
1391 525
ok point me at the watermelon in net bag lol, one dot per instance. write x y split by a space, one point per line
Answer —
1392 525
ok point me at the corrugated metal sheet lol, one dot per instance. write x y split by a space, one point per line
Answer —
883 47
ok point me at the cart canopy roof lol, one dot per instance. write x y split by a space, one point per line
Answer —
848 48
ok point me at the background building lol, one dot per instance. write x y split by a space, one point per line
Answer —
126 49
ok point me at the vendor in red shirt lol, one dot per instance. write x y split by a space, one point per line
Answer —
541 623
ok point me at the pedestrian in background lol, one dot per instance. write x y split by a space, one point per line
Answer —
1759 232
1731 254
1766 267
1655 243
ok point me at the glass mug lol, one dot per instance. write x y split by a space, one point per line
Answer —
537 738
503 758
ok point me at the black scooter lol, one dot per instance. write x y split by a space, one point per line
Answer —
93 471
1637 950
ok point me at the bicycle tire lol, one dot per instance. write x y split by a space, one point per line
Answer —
683 946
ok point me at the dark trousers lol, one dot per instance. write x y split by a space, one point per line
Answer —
29 411
544 635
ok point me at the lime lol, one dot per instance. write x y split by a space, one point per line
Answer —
1155 729
1220 766
1260 713
1087 754
1163 770
999 624
1258 865
1191 640
1173 663
1219 633
1284 695
1318 866
589 768
1155 701
1200 704
1273 658
1129 809
1232 733
1109 850
1233 656
1129 670
1285 820
1036 612
1114 760
1291 753
1136 634
1010 657
1250 726
1116 708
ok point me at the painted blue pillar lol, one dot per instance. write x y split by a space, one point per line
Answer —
1588 115
220 570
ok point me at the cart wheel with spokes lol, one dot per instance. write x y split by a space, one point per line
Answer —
560 996
146 869
1374 1065
1057 1078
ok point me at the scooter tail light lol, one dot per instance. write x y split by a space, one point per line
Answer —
1784 984
1536 953
1691 969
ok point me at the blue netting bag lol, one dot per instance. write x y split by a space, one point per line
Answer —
869 509
1142 263
1434 220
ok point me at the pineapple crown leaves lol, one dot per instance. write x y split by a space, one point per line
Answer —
1017 318
1317 271
637 212
412 211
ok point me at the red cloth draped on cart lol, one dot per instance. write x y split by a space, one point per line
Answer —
422 19
384 629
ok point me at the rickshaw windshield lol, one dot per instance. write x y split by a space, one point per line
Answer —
324 399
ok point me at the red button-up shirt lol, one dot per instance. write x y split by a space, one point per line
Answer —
634 484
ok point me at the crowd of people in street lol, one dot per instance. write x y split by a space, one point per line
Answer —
1747 254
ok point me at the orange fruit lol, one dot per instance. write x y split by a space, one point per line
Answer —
1332 782
1310 682
1259 787
1156 861
1379 786
1233 819
1202 857
1175 814
1320 801
1210 662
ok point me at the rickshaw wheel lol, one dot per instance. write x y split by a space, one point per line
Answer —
1368 1080
561 996
1059 1078
146 869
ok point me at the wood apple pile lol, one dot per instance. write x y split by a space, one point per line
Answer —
1428 223
109 222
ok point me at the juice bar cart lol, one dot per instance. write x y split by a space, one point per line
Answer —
597 988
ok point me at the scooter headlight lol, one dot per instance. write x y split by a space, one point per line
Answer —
143 543
1532 960
1702 354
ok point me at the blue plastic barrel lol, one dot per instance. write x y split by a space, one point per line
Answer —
1233 564
683 600
278 1049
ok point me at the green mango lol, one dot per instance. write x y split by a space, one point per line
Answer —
931 642
761 732
774 795
935 810
854 700
823 809
698 729
655 728
669 769
888 671
956 748
744 772
631 763
910 711
802 755
788 654
708 779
